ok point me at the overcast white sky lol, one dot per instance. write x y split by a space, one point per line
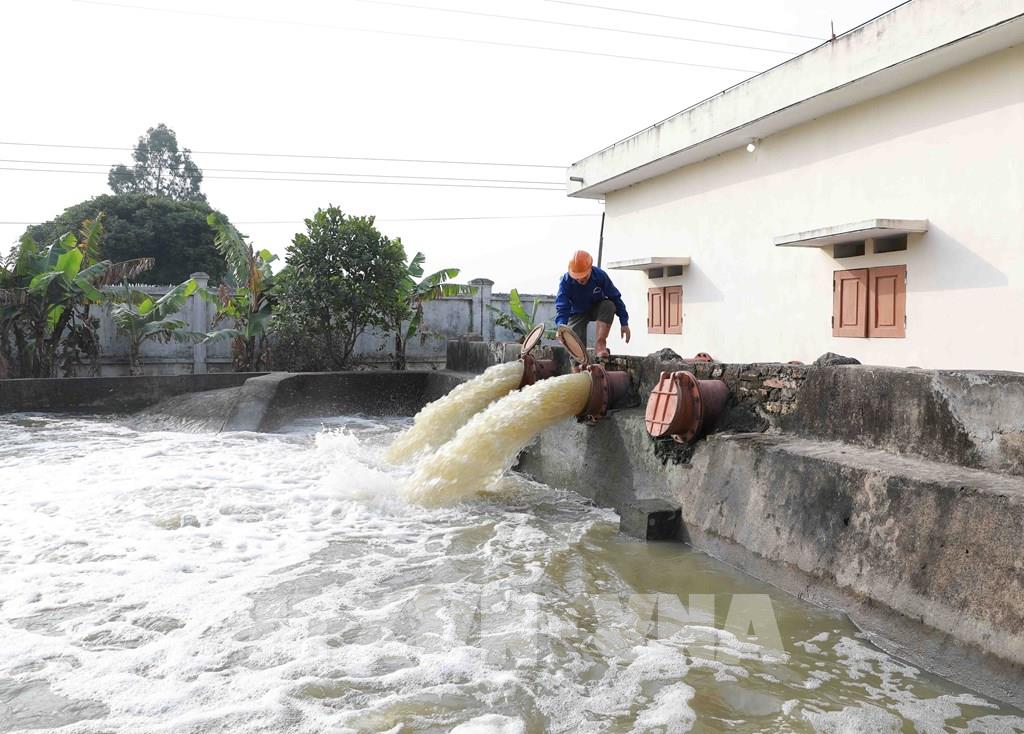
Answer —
296 78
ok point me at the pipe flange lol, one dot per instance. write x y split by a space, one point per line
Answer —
689 387
529 370
600 395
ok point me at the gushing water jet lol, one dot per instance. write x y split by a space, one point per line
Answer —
438 421
490 442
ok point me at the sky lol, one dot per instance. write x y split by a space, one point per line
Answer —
421 80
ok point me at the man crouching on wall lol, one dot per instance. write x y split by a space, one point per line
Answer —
586 294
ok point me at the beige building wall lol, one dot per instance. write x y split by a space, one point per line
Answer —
949 149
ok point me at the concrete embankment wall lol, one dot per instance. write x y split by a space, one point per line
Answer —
107 394
266 403
233 401
893 494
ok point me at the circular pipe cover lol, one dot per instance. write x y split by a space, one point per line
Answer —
532 339
572 342
662 414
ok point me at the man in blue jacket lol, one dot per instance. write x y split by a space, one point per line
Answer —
586 294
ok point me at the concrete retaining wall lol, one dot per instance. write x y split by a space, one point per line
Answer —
971 418
911 548
107 394
265 403
894 494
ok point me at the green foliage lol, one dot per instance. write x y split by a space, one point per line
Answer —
160 169
340 279
413 292
140 318
249 305
175 233
517 319
45 295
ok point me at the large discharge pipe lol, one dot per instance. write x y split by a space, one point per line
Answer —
608 388
535 369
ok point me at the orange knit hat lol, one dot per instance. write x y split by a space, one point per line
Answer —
581 264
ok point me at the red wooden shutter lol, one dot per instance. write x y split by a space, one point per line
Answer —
850 302
887 301
674 309
656 311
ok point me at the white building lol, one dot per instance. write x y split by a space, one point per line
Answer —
880 213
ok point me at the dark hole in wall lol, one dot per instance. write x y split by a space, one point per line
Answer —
896 243
848 249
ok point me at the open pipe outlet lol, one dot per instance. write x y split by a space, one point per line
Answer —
608 388
535 369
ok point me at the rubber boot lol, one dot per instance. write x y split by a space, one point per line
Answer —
601 347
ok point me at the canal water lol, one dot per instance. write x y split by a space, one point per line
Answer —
167 581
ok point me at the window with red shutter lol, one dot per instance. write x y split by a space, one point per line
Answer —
887 301
674 309
656 311
850 302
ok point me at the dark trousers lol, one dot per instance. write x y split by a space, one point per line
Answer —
601 311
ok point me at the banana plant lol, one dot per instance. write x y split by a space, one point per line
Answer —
414 291
140 318
517 319
45 294
249 305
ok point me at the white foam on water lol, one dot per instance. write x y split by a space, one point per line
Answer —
855 720
175 582
488 444
439 420
491 724
670 712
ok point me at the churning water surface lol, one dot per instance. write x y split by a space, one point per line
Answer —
158 581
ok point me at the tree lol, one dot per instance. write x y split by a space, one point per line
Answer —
45 294
341 278
517 319
140 318
248 305
175 233
413 293
160 169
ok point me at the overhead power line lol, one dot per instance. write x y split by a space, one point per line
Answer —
321 180
298 155
406 34
296 173
392 219
689 20
565 24
458 219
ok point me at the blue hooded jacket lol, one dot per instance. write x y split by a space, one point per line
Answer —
574 298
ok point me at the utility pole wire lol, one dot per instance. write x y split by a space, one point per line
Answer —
565 24
298 155
689 20
293 173
320 180
391 219
429 36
